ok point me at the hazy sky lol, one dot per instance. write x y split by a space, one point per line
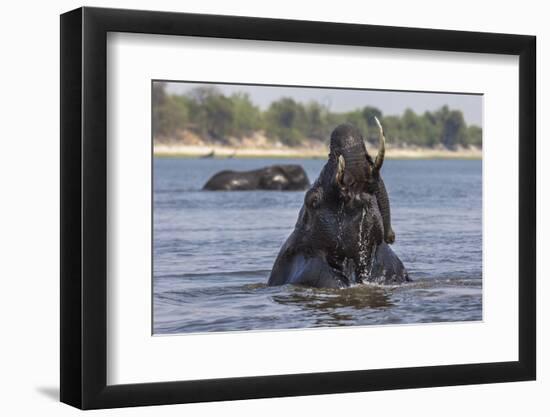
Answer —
339 100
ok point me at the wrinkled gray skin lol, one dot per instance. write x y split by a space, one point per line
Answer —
275 177
339 238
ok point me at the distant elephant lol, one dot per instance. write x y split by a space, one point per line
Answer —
341 236
275 177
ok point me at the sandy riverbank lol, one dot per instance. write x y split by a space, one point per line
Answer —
198 151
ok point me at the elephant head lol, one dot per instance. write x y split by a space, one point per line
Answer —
340 236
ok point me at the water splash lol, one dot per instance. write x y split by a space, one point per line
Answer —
366 254
363 250
340 222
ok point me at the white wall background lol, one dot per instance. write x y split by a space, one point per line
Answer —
29 225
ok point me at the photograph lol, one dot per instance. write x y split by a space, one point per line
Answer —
331 203
280 207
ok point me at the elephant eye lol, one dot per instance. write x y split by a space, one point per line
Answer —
313 199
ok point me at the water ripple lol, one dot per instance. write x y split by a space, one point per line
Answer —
213 252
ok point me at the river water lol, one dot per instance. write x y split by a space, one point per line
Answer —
213 251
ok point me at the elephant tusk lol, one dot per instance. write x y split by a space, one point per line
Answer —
340 170
379 161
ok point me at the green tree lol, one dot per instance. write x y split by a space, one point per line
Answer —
246 116
392 129
432 130
474 135
158 97
317 121
174 115
285 120
413 128
219 116
454 130
170 113
211 113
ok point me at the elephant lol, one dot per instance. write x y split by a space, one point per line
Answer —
275 177
340 237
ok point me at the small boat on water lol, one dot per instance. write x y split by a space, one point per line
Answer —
208 155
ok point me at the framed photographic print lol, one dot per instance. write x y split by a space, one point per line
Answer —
256 207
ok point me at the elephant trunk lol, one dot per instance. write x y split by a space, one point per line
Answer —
356 164
384 207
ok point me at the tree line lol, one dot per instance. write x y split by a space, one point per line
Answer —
217 117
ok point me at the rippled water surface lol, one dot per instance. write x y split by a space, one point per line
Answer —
213 251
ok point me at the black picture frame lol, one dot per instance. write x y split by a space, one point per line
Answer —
84 207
